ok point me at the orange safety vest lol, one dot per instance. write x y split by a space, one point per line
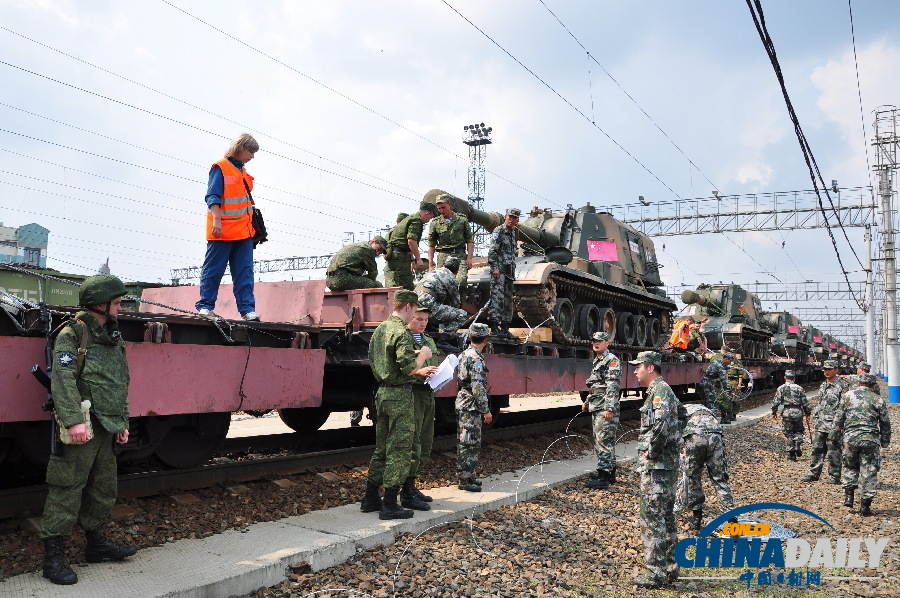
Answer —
681 334
236 207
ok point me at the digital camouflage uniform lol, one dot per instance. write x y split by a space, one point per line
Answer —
423 407
704 446
658 447
863 416
353 267
790 401
852 381
446 315
604 384
451 238
393 359
716 392
398 260
501 258
472 402
82 482
825 411
735 375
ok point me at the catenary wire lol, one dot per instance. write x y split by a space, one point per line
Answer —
862 118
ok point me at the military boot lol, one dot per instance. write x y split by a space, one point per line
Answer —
792 455
418 493
649 581
848 496
612 475
797 450
601 482
389 507
100 547
469 485
865 507
810 478
696 522
56 565
408 498
371 502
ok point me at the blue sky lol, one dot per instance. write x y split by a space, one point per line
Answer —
359 109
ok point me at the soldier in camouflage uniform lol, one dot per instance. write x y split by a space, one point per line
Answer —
735 377
354 267
442 287
403 248
863 417
423 408
825 411
658 447
472 407
604 385
501 260
716 392
704 446
853 380
81 483
451 235
394 360
790 401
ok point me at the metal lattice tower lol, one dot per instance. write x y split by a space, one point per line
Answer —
477 137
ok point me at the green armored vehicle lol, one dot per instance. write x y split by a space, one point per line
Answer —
788 339
733 318
578 271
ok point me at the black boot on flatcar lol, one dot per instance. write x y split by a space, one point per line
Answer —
100 547
56 565
371 502
865 507
408 498
848 496
389 507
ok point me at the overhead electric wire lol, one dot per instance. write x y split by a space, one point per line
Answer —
629 96
862 118
756 12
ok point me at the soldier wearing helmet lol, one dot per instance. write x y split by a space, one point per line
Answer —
602 402
89 381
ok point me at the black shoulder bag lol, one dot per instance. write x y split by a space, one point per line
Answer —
259 225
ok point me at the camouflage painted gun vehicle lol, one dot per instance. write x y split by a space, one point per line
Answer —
733 318
578 271
788 339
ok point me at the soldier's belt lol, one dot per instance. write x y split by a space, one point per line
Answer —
403 386
342 271
452 250
400 248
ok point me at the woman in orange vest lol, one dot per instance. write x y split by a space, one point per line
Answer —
229 230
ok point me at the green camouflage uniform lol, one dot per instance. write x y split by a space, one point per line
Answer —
852 381
716 393
703 446
423 407
398 261
451 238
501 257
863 416
604 384
393 359
353 267
82 482
446 315
735 375
827 400
472 402
790 401
658 447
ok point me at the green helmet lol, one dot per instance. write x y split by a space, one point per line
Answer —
100 289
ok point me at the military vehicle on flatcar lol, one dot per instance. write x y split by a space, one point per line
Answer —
787 335
732 318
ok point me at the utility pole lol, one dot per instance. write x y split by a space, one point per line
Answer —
885 165
870 303
477 137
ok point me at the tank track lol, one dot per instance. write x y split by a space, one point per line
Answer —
536 302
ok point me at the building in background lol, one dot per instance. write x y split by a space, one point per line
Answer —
24 245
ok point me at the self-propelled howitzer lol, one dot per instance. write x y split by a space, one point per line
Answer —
731 319
578 271
788 340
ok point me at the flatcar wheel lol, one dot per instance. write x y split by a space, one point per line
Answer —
640 330
747 349
587 317
564 312
625 328
607 319
193 445
304 419
653 332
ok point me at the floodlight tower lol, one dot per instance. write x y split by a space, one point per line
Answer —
477 137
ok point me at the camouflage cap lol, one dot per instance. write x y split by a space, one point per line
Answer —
865 367
401 216
829 364
427 206
479 331
789 374
404 296
426 302
647 357
600 336
514 212
381 241
452 264
728 356
868 379
445 198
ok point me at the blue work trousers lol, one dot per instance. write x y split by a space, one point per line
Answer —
239 256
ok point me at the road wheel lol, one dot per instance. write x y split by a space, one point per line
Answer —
564 313
625 328
608 322
653 332
640 330
587 317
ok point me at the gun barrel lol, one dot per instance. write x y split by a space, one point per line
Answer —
489 220
691 297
